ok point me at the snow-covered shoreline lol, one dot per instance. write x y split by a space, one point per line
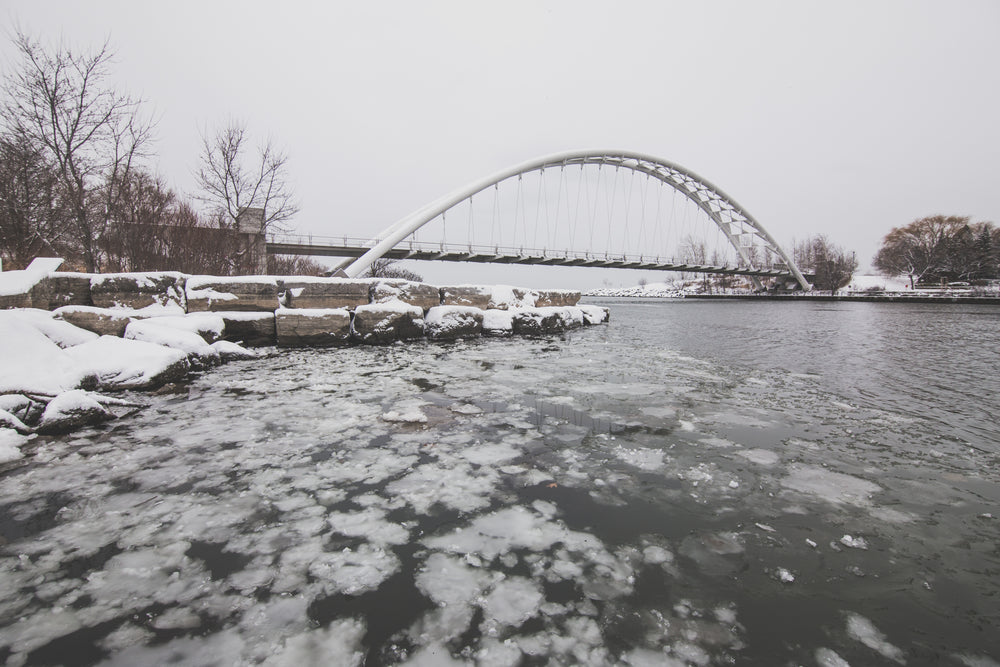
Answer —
57 365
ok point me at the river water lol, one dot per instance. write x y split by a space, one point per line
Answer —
696 483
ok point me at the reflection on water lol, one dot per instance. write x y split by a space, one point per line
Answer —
696 483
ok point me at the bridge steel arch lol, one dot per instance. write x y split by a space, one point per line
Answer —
731 218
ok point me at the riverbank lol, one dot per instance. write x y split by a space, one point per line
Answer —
869 298
72 339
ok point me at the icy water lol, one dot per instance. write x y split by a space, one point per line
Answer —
697 483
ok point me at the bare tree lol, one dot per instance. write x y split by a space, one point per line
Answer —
32 220
233 179
832 266
920 249
389 268
62 102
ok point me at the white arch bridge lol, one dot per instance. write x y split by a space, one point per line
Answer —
611 209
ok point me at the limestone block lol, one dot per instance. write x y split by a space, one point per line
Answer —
556 297
248 328
71 410
416 294
548 320
62 289
498 322
325 293
504 297
102 321
15 300
137 290
243 293
384 323
476 296
451 322
314 327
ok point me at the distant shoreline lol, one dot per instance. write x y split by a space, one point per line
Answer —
871 298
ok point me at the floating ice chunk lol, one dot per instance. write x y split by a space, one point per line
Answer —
766 528
733 484
466 409
353 571
784 575
854 542
828 658
447 580
490 454
811 543
178 618
511 528
656 555
338 644
511 602
410 415
764 457
455 485
725 615
833 487
864 631
370 523
690 653
641 457
442 624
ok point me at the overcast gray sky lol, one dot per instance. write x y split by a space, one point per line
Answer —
841 118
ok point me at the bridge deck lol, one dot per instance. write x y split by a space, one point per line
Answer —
451 255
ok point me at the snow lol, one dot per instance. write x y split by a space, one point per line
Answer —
202 282
884 283
392 307
497 321
124 364
312 313
61 333
21 281
10 444
31 362
186 341
505 297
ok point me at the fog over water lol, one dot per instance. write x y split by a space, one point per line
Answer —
695 483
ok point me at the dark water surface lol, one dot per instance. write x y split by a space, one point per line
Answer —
697 483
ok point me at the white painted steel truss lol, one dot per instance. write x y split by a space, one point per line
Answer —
731 218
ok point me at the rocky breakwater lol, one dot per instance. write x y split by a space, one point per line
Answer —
71 342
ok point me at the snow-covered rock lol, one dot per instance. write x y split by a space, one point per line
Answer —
189 342
498 322
137 290
71 410
416 294
242 293
383 323
324 293
119 363
101 321
450 322
475 296
318 327
249 328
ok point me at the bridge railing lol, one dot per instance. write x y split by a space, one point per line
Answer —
498 250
